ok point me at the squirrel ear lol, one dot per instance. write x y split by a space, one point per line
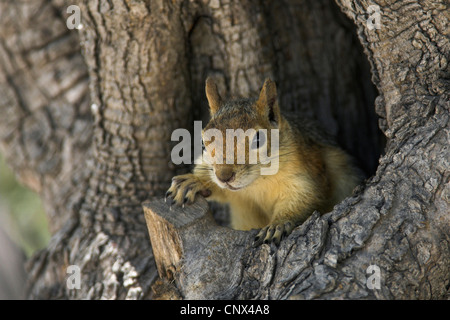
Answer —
267 102
212 94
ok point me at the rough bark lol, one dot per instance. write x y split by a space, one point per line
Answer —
96 157
398 221
46 125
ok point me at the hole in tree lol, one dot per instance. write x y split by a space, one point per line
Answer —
317 61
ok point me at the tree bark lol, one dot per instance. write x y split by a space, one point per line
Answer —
90 115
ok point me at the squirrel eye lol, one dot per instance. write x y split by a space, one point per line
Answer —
258 140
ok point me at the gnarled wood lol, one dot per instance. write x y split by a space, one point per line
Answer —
96 157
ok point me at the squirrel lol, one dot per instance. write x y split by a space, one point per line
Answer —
313 172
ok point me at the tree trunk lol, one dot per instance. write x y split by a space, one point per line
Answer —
95 158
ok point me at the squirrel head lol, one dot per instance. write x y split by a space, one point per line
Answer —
238 138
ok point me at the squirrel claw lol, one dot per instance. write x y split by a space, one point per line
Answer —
168 193
183 190
273 233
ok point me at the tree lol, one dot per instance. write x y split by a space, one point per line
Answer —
88 117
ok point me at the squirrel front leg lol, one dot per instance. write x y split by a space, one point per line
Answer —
291 212
185 187
281 226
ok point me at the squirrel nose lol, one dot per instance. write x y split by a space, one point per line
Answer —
226 176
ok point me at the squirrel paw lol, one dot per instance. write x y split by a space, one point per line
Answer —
273 233
184 188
